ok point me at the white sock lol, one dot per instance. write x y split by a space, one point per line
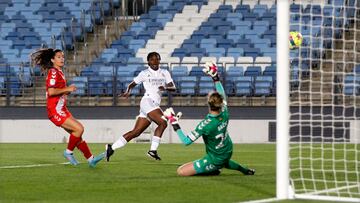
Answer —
119 143
90 158
155 141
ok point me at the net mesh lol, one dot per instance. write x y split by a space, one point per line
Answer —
324 98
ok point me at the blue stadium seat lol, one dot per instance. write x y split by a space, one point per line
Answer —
188 85
197 52
244 86
96 86
179 71
260 9
81 85
295 8
225 43
216 52
206 85
106 71
242 9
253 71
2 85
270 71
357 69
352 85
263 86
234 71
14 86
235 52
196 71
225 9
88 71
253 52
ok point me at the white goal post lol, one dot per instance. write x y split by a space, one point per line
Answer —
318 101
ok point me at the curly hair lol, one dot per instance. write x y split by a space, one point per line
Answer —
42 57
151 54
215 101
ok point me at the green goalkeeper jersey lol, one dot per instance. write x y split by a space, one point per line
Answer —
213 129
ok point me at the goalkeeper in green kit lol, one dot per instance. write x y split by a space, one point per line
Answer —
213 129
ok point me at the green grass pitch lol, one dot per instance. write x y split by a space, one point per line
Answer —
131 176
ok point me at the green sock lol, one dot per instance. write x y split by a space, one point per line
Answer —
236 166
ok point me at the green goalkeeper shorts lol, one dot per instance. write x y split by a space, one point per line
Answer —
205 165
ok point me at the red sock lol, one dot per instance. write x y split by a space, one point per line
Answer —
84 148
73 142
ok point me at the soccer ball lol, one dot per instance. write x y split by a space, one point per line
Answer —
295 40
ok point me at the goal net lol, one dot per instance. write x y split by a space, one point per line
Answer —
323 126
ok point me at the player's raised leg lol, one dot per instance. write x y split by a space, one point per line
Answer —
155 116
140 125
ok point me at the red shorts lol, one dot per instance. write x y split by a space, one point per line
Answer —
59 119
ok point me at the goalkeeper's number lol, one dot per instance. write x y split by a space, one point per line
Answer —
222 137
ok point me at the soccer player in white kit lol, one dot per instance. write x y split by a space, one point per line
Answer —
155 81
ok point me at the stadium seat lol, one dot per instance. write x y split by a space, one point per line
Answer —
244 86
179 71
263 86
2 85
188 85
253 71
351 85
206 85
234 71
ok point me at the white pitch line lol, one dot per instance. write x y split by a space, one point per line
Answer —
32 165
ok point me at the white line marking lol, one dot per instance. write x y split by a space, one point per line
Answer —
262 200
32 165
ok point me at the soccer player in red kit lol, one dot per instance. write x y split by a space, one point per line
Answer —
52 62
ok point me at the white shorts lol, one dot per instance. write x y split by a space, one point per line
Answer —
147 105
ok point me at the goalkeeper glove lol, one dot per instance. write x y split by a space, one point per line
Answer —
211 69
169 115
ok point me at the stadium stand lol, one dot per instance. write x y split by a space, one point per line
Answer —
239 36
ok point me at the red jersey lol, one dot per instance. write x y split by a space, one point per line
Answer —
56 105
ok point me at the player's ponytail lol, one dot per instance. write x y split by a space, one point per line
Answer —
42 57
215 101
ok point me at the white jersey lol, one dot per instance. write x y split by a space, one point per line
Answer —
152 80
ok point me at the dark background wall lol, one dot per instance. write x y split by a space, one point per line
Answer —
130 112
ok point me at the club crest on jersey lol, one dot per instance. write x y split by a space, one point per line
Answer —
52 81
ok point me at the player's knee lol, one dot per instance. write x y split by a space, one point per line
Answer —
180 171
79 129
163 124
132 134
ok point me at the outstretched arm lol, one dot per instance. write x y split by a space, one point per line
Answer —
184 138
128 89
169 115
211 69
219 88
